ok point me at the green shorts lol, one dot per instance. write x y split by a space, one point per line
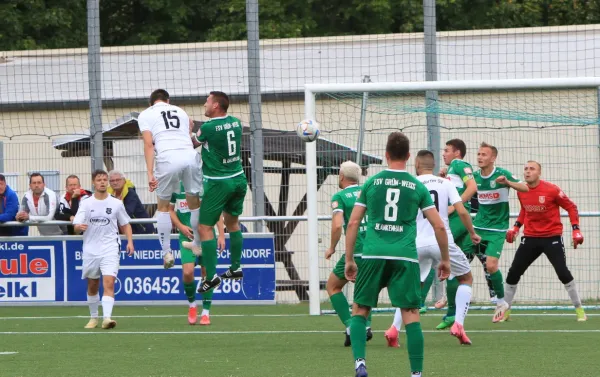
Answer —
187 255
222 195
340 267
460 234
402 279
491 243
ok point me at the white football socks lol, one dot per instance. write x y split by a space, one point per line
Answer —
509 293
163 226
205 312
573 294
463 298
398 319
194 221
107 306
93 303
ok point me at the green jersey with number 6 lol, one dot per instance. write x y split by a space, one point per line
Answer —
393 199
493 210
344 201
459 173
221 154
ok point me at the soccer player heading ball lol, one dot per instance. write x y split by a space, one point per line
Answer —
391 201
543 234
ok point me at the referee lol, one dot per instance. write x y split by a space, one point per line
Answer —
543 234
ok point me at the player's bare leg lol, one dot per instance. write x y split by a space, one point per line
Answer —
108 301
236 241
93 300
164 227
190 292
193 202
496 276
463 298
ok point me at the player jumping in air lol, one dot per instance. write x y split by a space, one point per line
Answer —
543 234
180 216
166 132
460 173
100 217
491 221
342 204
391 201
442 193
225 187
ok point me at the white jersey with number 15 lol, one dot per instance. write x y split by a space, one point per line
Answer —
443 193
169 125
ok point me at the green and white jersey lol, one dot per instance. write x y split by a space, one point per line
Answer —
344 201
393 199
181 207
459 173
221 151
493 210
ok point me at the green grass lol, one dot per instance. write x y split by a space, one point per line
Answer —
286 343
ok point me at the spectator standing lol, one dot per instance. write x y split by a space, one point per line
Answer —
69 202
39 204
9 206
124 190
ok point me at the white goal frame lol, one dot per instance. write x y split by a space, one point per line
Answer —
310 91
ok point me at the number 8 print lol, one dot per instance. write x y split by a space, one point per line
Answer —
392 196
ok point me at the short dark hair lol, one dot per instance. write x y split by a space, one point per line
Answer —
222 99
494 149
159 95
71 177
425 152
459 145
398 146
36 174
2 178
426 158
98 172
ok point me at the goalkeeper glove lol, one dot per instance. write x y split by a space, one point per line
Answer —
513 233
577 236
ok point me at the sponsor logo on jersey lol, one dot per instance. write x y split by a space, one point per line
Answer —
468 170
108 211
100 221
534 208
334 204
542 199
488 195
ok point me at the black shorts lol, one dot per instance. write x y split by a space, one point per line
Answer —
530 249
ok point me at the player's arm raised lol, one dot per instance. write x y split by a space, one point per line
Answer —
351 233
512 182
194 136
439 229
149 157
568 205
337 222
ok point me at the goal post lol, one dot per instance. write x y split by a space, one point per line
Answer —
555 121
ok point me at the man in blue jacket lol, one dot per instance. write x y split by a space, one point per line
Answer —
9 206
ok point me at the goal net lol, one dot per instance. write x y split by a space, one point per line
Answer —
554 122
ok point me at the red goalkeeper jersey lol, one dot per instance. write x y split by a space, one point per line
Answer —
540 211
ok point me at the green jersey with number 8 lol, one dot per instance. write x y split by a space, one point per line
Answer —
393 199
221 154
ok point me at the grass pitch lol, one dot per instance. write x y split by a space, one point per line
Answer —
283 340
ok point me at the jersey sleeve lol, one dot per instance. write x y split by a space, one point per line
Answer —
173 198
362 198
202 132
337 205
425 201
122 216
566 203
464 171
143 123
453 196
510 177
81 215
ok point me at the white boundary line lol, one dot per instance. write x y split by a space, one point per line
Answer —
293 315
200 332
8 353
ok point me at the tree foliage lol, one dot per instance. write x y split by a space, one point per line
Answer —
37 24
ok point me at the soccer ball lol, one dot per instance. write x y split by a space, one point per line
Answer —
308 130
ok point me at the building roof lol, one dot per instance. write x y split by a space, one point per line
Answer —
60 77
277 145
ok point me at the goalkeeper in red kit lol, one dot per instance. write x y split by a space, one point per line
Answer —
543 234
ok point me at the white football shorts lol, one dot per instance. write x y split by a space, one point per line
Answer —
174 166
430 256
94 267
